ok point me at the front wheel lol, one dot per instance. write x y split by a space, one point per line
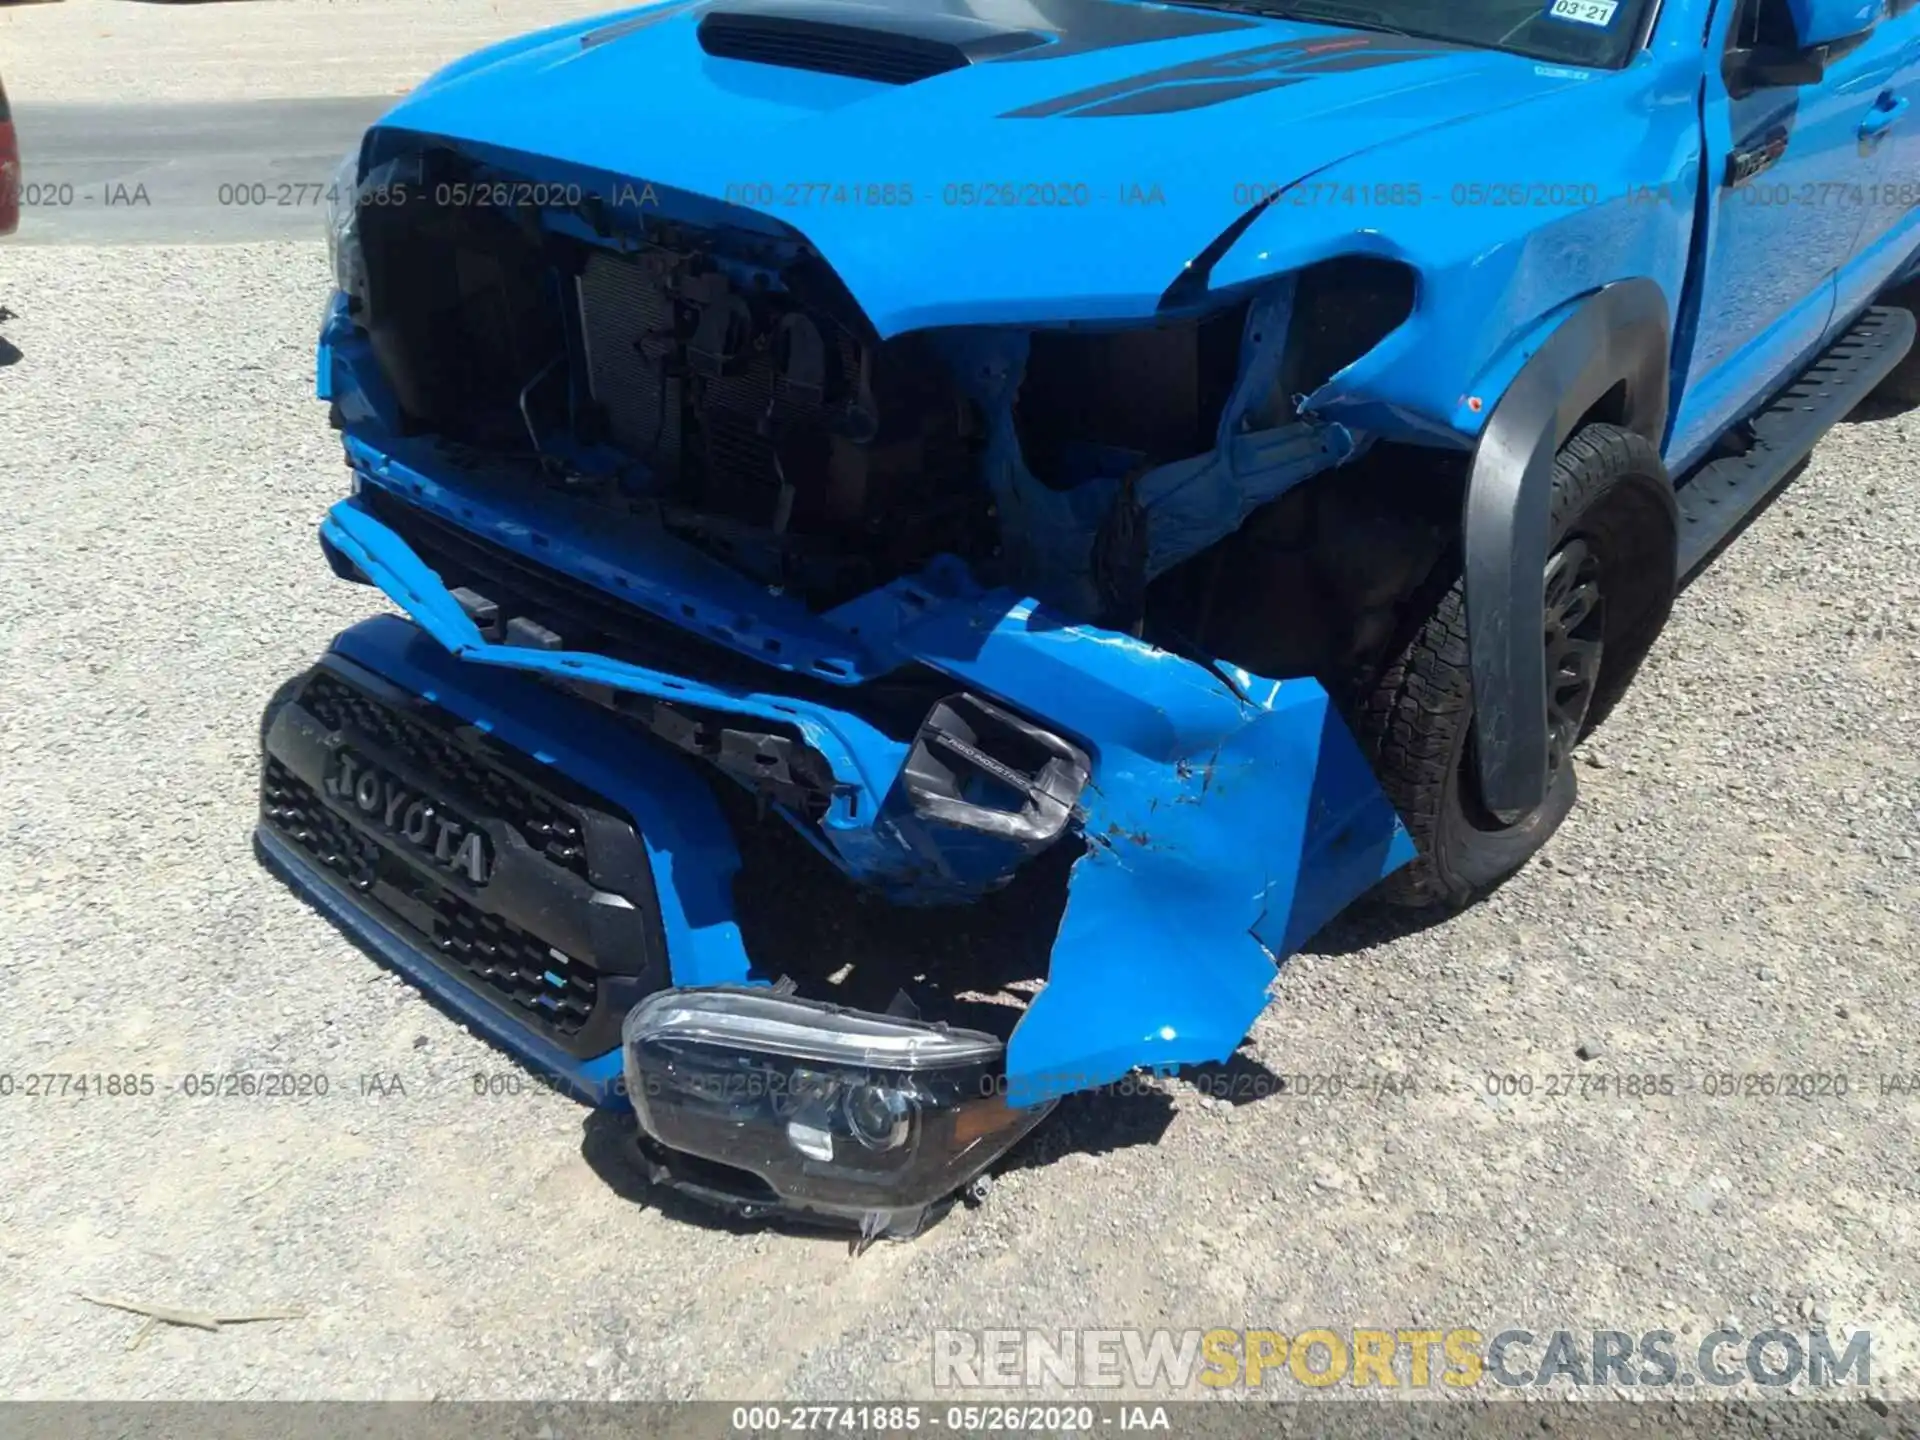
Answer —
1607 589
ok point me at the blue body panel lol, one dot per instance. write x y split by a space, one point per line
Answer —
1209 159
723 129
1513 186
1224 826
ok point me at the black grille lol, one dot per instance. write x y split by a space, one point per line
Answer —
543 824
517 966
560 927
304 818
511 962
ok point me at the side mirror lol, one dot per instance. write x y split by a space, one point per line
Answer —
1770 67
1822 31
1822 22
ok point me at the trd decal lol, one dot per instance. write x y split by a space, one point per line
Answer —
1757 157
1763 124
1199 83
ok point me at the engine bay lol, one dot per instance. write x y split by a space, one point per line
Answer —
718 387
703 368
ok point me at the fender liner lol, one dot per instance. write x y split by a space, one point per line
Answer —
1617 334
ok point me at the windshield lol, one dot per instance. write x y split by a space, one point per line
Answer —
1575 32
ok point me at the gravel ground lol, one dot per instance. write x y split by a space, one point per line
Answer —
116 50
1735 894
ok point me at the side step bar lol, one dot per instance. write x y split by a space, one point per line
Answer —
1721 495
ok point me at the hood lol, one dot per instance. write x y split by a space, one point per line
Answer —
1048 160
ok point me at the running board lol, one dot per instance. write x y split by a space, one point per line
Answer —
1722 495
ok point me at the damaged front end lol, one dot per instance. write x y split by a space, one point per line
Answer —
645 450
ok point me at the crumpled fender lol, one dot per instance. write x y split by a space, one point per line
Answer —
1228 816
1200 874
1228 819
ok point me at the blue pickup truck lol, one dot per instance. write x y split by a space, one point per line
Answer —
1181 466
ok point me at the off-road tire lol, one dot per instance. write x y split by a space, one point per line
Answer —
1612 495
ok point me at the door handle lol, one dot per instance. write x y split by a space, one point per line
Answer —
1884 113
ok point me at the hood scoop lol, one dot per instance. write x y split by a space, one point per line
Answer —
890 46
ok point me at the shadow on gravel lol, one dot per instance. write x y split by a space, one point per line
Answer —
1876 407
9 352
1369 923
1094 1123
607 1144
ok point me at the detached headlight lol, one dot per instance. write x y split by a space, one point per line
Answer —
859 1117
343 227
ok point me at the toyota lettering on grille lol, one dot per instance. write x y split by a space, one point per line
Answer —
412 817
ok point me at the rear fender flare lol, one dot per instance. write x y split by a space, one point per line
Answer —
1616 336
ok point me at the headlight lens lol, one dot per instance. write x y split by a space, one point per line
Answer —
343 226
869 1119
878 1117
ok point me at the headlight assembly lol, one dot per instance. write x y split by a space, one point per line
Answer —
343 227
797 1105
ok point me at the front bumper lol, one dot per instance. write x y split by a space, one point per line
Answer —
540 866
1225 817
587 871
396 795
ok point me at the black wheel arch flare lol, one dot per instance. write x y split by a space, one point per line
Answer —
1616 338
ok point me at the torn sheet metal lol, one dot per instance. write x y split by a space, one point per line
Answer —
1227 816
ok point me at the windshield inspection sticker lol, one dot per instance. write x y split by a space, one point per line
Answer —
1584 12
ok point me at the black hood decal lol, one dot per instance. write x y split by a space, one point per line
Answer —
634 23
1084 26
1213 81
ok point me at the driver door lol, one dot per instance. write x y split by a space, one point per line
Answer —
1785 171
1890 136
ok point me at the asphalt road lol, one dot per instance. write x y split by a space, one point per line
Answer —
182 172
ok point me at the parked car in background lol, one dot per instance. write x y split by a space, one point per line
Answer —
9 168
